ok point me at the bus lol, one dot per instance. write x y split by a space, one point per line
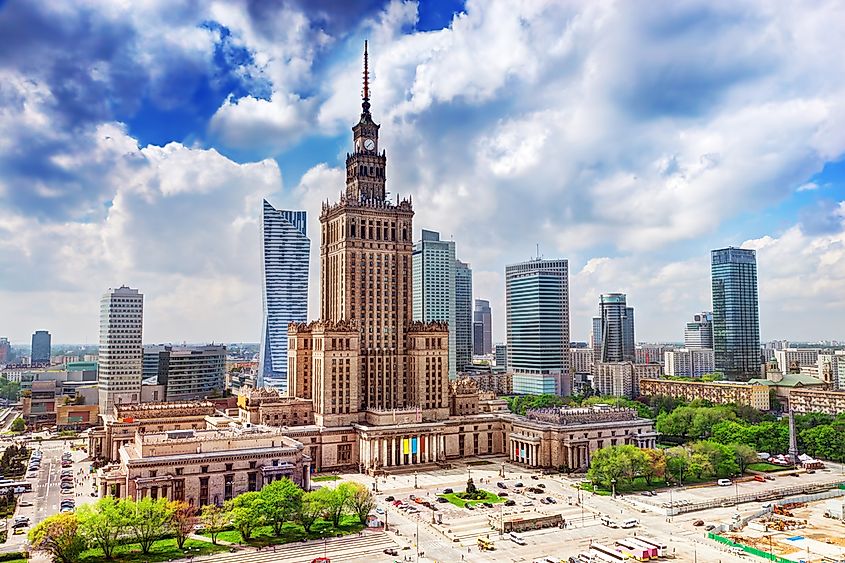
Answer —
606 553
662 548
652 551
633 550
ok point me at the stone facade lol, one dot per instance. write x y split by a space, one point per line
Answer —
817 400
721 392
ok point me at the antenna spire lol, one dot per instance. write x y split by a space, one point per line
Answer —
366 103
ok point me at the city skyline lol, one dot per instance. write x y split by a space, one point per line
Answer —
189 155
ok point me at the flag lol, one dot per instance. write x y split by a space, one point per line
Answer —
405 446
413 445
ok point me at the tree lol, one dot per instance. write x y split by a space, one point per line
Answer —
335 501
309 510
214 519
677 463
609 464
182 517
102 524
18 425
362 501
59 536
279 501
655 465
744 455
246 513
147 520
700 465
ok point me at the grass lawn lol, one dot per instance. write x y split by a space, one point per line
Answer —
291 532
318 478
489 497
766 467
163 550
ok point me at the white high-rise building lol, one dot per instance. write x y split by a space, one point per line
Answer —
285 254
699 332
121 347
689 362
791 360
433 263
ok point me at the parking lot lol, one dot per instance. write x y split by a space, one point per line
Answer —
50 489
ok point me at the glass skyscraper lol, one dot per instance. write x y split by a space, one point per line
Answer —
537 294
285 253
40 347
736 321
433 263
617 329
463 315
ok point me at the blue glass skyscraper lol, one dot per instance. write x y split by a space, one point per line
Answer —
285 250
736 321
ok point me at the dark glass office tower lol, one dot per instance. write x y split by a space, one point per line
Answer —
736 321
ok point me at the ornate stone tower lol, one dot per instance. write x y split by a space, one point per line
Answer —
366 285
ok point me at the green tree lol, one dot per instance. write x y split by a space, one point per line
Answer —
214 519
147 520
182 518
732 432
309 510
609 464
279 502
700 465
18 425
59 535
655 465
246 513
744 455
102 524
335 501
678 463
362 501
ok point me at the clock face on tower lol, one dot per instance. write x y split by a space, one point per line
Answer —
369 144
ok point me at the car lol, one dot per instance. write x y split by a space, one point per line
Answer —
516 538
412 497
379 510
527 503
550 500
543 501
632 523
811 471
535 477
390 551
766 505
24 503
389 498
488 504
769 478
501 485
503 494
470 507
397 503
724 482
698 523
510 502
709 527
17 525
441 499
447 491
541 485
759 479
518 485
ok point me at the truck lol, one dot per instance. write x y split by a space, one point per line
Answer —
485 544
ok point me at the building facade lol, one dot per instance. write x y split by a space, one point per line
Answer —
699 333
501 355
736 322
617 329
41 347
689 362
463 315
482 328
5 351
717 392
186 373
791 360
121 347
622 379
831 369
805 401
433 266
581 360
285 252
537 296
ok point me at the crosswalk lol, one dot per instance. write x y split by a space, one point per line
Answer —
367 547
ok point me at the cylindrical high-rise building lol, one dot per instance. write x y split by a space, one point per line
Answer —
121 347
736 321
617 329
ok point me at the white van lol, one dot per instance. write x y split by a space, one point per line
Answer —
609 522
516 538
724 482
630 523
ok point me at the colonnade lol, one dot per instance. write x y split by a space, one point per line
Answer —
523 451
401 450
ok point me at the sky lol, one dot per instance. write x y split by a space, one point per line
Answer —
138 139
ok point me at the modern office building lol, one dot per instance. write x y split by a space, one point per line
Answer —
121 347
433 266
699 333
463 315
41 346
581 360
689 362
537 295
187 373
617 329
285 251
736 323
5 351
482 328
595 339
501 351
791 360
831 368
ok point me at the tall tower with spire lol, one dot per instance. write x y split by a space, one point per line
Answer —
380 360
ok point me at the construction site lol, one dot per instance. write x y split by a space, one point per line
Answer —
810 530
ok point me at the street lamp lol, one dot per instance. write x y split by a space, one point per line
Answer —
415 480
613 486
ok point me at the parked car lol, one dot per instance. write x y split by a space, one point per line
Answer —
470 507
709 527
550 500
501 485
390 551
447 491
541 485
724 482
503 494
389 498
518 484
441 499
510 502
759 479
527 503
488 504
698 523
24 503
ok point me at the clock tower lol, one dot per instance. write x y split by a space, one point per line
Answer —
365 167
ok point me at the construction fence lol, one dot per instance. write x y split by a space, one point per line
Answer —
748 549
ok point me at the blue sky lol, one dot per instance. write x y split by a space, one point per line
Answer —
139 139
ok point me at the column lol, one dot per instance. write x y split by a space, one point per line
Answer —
426 452
383 444
392 451
536 454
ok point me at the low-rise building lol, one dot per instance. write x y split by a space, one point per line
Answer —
204 466
831 368
622 379
817 400
717 392
784 384
689 362
500 383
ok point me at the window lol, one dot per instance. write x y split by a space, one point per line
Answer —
153 472
344 453
204 469
228 486
178 471
252 481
